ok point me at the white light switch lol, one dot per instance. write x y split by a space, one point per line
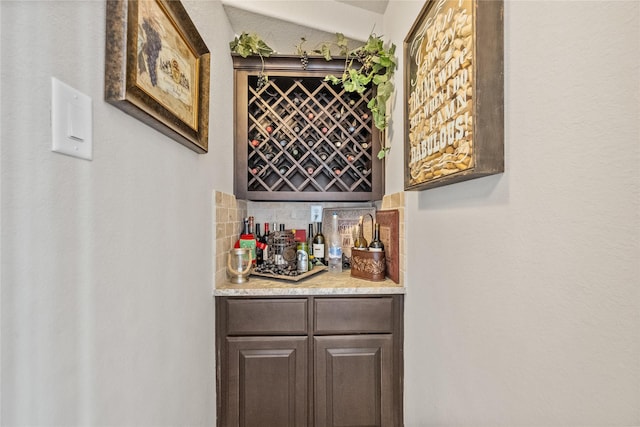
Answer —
75 123
71 121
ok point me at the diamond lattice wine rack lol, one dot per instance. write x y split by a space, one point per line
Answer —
300 138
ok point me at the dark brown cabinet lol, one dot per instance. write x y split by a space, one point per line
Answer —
267 383
353 380
299 137
318 361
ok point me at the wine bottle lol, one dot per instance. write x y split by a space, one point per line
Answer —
284 169
247 240
255 110
259 251
335 246
255 140
364 170
270 127
376 244
265 242
245 228
355 174
294 152
309 247
310 239
361 242
257 169
310 168
267 151
318 244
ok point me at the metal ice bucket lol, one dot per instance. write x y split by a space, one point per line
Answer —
239 264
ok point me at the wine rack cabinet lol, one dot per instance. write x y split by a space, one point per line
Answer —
300 138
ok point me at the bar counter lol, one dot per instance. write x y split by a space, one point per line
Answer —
322 283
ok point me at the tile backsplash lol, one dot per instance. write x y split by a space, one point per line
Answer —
294 215
228 224
229 213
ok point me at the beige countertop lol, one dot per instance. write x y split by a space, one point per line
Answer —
322 283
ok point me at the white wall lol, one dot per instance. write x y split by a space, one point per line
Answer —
523 306
107 315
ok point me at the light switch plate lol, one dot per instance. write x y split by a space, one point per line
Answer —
316 213
71 121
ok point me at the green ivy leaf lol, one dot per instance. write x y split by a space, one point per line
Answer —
349 85
392 51
368 64
342 42
326 52
379 79
249 44
386 62
383 152
385 89
333 79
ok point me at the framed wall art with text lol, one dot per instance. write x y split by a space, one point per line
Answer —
454 93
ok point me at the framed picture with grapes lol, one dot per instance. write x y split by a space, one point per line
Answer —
157 68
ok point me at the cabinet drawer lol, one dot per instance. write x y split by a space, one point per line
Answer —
353 315
266 316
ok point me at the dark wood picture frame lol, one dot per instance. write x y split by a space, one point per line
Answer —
389 221
157 68
454 93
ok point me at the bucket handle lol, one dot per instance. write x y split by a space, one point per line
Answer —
249 264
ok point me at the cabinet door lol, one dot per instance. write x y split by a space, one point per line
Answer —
354 381
267 382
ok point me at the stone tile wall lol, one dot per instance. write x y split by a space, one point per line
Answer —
294 215
228 216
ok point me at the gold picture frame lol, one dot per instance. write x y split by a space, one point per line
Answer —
454 93
157 68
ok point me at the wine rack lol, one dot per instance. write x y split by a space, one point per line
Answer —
300 138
